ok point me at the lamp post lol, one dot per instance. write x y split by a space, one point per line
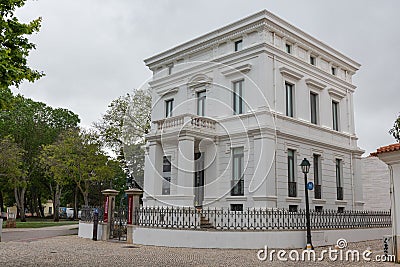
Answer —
305 167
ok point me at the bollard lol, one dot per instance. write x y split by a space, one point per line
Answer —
95 223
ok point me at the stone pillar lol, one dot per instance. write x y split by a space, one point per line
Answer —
262 185
133 204
357 183
109 205
391 156
396 206
152 173
185 194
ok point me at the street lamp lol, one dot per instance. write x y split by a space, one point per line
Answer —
305 167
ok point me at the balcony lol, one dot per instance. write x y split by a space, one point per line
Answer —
186 121
237 187
339 193
317 191
292 189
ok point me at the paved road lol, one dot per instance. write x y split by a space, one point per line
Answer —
32 234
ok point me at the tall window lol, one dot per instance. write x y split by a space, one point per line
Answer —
238 97
333 69
314 107
312 60
170 68
335 115
166 175
238 45
288 48
201 103
317 178
169 106
339 181
289 99
237 188
291 173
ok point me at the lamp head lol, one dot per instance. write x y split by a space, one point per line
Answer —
305 165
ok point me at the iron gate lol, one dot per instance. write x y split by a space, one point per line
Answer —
119 221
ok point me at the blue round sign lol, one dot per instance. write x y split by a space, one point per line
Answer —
310 186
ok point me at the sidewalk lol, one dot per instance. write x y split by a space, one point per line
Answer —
75 251
61 227
31 234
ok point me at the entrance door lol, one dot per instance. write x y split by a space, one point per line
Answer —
199 179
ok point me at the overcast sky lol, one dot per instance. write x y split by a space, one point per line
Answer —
92 51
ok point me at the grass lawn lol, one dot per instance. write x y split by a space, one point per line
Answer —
38 223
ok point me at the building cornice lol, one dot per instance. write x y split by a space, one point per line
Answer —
263 20
179 77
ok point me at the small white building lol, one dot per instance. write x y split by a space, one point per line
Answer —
237 109
376 183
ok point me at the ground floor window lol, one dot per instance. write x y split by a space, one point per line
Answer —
318 208
236 207
293 208
340 209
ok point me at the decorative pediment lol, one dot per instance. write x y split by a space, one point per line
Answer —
199 80
169 91
315 84
238 69
291 74
337 93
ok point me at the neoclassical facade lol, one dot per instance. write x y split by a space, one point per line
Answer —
237 109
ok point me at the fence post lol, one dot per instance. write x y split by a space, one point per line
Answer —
109 205
133 204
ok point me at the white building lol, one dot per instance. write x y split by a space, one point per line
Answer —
237 109
376 183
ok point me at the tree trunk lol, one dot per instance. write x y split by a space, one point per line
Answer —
56 203
76 203
40 206
34 204
86 198
1 202
20 199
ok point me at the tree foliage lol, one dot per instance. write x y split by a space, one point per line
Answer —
395 131
32 124
12 172
122 129
15 46
126 121
77 157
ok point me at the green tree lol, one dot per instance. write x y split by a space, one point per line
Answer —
395 131
122 129
77 157
15 46
33 124
12 173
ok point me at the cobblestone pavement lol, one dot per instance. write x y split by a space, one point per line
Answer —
75 251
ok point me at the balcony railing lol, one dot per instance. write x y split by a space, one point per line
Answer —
317 191
339 193
237 188
292 189
186 120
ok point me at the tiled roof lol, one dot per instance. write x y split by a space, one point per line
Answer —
384 149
